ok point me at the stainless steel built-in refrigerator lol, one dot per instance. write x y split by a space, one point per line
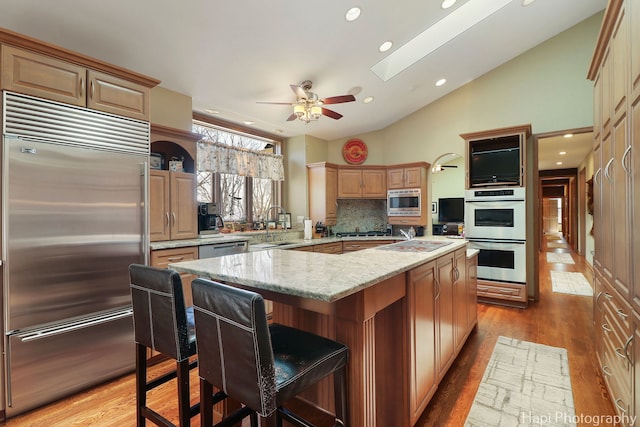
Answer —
73 219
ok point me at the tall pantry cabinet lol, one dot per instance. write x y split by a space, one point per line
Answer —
615 71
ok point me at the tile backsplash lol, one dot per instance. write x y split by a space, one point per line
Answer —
365 215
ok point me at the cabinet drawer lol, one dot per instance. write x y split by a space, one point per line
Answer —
164 257
505 291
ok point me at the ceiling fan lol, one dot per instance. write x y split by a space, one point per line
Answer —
308 106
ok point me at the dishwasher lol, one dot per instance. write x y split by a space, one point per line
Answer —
220 249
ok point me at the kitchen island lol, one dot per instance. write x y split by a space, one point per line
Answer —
403 309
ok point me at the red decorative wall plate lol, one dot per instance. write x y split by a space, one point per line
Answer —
354 151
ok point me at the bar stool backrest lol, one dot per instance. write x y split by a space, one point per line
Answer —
234 344
159 312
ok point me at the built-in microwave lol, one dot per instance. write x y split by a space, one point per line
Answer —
405 202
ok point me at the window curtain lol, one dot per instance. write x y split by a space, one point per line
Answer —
213 157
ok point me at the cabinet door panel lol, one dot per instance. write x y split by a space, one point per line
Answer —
159 205
117 96
349 183
184 221
374 183
38 75
422 337
395 178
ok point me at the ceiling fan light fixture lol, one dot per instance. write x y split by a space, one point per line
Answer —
298 109
316 112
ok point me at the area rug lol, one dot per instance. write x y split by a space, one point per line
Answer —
562 257
568 282
524 384
556 245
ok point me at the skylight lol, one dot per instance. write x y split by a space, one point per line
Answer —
454 24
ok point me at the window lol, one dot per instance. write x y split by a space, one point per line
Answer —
240 196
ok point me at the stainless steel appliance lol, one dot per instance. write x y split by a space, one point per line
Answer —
209 219
405 202
496 213
74 200
501 260
495 224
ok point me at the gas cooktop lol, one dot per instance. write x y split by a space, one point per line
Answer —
361 233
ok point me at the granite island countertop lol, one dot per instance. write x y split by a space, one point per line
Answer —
313 275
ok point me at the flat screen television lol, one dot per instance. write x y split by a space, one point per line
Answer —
451 209
495 161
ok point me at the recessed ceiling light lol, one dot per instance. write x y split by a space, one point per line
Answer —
443 31
446 4
248 122
558 163
352 14
367 100
278 130
441 82
385 46
527 2
562 153
212 111
568 135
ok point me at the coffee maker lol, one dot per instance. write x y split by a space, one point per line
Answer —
209 220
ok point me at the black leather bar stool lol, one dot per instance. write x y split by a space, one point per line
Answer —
164 324
260 365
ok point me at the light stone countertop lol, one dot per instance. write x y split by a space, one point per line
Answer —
313 275
201 241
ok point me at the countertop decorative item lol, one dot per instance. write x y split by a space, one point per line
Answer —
354 151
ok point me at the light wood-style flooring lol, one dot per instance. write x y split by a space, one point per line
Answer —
557 319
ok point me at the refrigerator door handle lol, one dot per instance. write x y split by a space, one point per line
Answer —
46 333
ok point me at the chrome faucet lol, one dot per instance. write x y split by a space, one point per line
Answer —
409 235
280 210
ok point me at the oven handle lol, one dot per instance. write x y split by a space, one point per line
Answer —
480 240
493 200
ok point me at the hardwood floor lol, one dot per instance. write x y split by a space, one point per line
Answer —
557 319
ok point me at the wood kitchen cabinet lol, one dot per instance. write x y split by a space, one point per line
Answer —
444 308
329 248
406 177
172 205
358 245
359 183
59 79
322 180
461 300
421 290
615 71
161 258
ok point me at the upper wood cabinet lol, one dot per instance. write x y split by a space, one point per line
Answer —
172 206
486 150
354 183
406 177
322 179
46 71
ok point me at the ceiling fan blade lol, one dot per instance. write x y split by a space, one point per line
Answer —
449 166
292 117
300 93
274 103
339 99
331 113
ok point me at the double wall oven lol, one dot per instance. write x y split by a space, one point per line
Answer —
495 221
